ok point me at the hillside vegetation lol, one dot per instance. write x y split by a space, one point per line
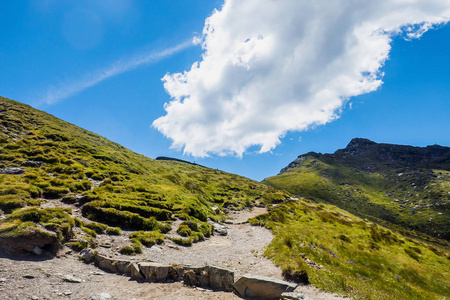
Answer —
339 252
48 167
400 186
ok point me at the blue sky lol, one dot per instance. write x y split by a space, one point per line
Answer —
100 65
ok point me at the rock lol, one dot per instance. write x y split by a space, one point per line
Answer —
123 266
36 250
101 296
294 296
218 229
71 278
190 278
262 287
12 171
87 255
2 280
156 272
34 297
105 263
29 276
135 272
31 163
220 278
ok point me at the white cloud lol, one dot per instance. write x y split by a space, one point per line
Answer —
56 94
273 66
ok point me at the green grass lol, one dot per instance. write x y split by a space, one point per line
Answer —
342 253
415 199
114 186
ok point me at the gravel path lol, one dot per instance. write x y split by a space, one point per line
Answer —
241 250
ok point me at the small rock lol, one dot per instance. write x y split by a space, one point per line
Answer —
98 273
36 250
71 278
218 229
294 296
34 297
2 280
101 296
12 171
67 293
28 276
87 255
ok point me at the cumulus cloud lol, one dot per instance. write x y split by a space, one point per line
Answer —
269 67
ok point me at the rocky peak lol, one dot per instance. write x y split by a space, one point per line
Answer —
358 142
368 155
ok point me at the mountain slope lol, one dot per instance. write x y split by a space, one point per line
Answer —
49 167
404 185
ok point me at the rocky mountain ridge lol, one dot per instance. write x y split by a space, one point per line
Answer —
370 156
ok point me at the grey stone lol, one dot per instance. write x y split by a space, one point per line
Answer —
101 296
87 255
2 280
218 228
105 263
294 296
123 266
262 287
135 272
221 278
71 278
12 171
36 250
156 272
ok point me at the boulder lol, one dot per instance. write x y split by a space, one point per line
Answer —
157 272
135 271
253 286
195 276
106 263
123 266
220 278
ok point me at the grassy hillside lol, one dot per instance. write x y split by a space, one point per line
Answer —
339 252
48 166
398 185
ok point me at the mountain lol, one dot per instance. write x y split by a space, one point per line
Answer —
403 185
50 170
61 185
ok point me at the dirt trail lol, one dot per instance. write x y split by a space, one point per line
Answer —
241 250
